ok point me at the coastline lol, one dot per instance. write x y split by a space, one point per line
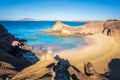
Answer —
101 51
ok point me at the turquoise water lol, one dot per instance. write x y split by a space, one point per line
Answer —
31 31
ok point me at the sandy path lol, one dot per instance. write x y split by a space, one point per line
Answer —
99 53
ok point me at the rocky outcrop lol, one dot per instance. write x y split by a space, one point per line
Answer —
6 39
61 29
60 26
108 27
9 43
111 27
15 43
42 70
9 63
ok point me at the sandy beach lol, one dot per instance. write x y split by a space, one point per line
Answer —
100 53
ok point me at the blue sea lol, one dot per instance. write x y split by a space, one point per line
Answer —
32 32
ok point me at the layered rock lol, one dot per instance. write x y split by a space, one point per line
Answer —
61 29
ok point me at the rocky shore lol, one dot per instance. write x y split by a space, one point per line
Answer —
61 29
98 61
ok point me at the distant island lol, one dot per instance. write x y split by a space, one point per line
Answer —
28 19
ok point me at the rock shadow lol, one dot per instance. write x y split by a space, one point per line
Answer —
114 66
63 70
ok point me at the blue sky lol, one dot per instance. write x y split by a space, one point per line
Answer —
60 9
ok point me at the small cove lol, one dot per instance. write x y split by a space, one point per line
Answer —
31 31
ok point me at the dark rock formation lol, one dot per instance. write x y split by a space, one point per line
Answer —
10 65
9 47
10 44
6 39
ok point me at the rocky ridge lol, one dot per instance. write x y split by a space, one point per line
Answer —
61 29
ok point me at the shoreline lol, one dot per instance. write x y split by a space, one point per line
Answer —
95 53
88 42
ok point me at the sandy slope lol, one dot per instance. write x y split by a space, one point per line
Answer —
99 53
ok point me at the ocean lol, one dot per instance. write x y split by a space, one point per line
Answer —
32 32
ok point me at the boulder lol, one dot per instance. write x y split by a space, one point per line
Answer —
91 72
89 69
15 43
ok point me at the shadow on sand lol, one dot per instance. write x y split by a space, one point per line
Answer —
114 66
63 70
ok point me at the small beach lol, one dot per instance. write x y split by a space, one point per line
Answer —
100 52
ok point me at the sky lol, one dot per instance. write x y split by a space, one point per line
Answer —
60 9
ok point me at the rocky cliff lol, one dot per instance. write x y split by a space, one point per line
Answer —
9 63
